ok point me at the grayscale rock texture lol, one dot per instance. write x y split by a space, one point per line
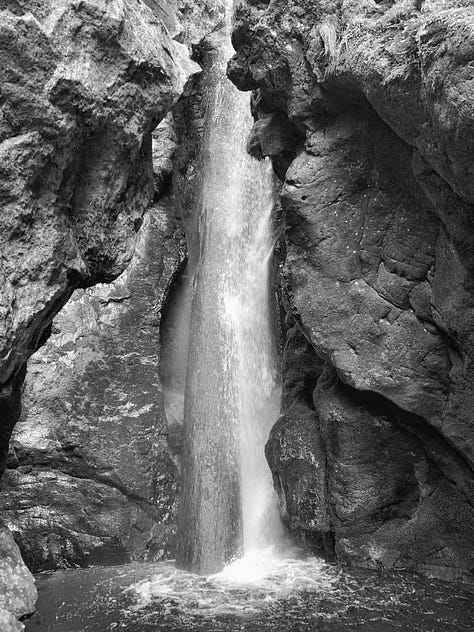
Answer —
367 109
91 475
83 86
17 588
90 478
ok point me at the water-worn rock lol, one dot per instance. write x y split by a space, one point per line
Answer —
294 451
90 476
17 588
389 484
92 448
378 210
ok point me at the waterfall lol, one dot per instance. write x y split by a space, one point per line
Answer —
231 398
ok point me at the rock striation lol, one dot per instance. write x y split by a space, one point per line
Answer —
366 109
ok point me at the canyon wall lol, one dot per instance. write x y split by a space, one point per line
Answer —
367 111
92 474
83 86
90 477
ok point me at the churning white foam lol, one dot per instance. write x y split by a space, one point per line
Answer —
248 584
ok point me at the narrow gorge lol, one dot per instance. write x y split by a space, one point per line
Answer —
237 350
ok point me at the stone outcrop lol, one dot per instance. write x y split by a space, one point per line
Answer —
90 477
83 86
378 206
93 389
17 588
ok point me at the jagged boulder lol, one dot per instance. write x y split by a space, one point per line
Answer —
17 588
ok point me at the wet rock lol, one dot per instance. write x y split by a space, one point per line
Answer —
378 212
388 486
83 86
274 136
295 451
17 587
296 457
90 476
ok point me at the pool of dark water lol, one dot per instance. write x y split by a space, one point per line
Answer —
304 595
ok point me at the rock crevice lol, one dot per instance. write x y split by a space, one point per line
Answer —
84 84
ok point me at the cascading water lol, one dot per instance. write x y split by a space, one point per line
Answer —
228 505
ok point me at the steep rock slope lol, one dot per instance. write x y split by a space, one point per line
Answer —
90 477
92 474
367 108
83 86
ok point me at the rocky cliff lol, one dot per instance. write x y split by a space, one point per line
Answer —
90 477
83 86
367 111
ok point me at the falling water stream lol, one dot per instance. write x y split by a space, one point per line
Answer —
231 396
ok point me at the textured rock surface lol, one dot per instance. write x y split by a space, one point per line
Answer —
295 452
378 208
93 443
396 498
90 478
83 86
17 588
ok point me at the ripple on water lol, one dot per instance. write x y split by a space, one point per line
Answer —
261 592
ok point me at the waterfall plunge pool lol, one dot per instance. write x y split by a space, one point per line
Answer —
259 592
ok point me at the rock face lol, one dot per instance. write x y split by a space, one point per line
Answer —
17 588
83 86
92 473
378 206
90 477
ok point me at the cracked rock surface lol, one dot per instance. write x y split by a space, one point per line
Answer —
83 86
378 276
90 477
